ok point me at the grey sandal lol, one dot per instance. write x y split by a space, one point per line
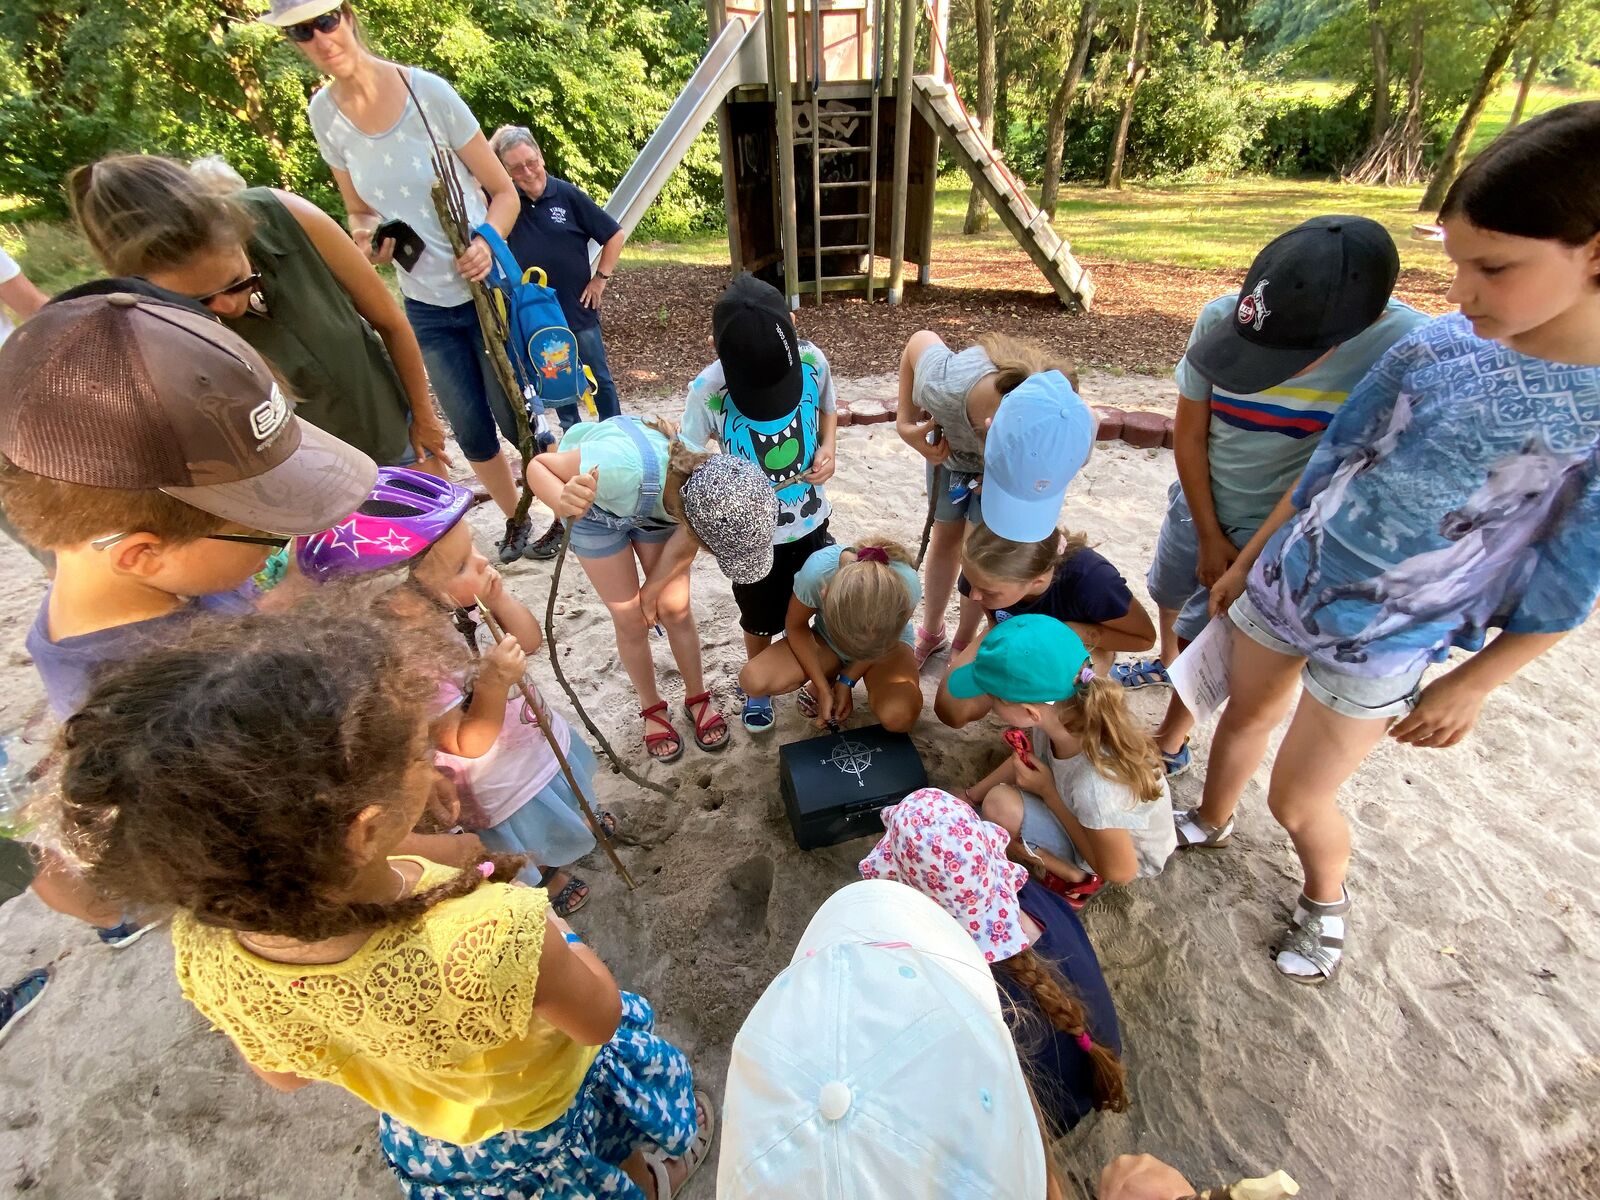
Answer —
699 1150
1195 834
1310 938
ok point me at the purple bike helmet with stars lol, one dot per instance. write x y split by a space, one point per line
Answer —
405 513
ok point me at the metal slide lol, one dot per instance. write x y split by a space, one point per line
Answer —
735 58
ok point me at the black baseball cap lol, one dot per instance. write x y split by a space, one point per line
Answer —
758 348
1309 289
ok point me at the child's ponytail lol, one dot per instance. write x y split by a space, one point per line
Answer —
985 553
1114 741
1066 1013
866 605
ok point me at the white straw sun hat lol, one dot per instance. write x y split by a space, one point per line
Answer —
283 13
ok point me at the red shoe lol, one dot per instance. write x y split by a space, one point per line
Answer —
1075 894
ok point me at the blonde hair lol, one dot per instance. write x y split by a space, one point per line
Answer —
1017 358
217 175
866 605
144 213
1114 741
986 553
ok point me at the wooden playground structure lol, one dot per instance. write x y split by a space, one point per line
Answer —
830 147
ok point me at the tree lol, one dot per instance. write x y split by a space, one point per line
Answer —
1138 68
1510 31
1530 71
1380 74
1077 56
983 10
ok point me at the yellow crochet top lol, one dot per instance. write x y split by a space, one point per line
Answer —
430 1022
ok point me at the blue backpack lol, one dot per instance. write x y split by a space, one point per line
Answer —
543 350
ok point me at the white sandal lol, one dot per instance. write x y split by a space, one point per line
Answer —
1315 935
693 1158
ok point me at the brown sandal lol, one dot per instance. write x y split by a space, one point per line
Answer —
705 725
668 732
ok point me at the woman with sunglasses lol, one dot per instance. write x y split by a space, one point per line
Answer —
378 125
279 272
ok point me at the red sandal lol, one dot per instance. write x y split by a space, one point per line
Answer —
668 732
703 724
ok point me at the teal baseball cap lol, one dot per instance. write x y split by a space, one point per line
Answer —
1032 659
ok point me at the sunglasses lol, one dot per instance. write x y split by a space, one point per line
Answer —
248 284
251 539
306 30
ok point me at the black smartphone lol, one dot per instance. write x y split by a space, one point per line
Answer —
407 242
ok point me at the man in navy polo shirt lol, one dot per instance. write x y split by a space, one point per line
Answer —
552 232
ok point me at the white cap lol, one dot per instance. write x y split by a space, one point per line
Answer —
878 1066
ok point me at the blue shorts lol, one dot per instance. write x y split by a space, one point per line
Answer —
1359 696
464 380
1171 579
599 534
946 509
1041 830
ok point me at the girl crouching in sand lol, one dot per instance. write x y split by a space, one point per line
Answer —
257 778
849 622
1085 796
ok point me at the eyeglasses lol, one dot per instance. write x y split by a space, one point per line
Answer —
527 168
306 30
248 284
251 539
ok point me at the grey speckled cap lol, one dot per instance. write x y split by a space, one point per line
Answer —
732 510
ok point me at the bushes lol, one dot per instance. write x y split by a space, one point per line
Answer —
1307 135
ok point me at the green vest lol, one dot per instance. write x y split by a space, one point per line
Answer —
333 361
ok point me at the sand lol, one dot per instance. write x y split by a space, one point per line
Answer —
1456 1056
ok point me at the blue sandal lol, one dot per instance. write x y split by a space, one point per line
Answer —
1143 672
757 715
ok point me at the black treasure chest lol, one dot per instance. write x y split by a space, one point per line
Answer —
834 786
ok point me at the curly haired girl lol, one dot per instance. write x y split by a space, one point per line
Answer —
849 621
1061 1013
257 778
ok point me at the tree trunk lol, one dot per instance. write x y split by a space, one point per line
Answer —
1516 22
1056 120
1411 133
1380 74
1135 76
1531 71
978 212
1002 72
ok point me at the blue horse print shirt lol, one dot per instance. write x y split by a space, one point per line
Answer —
1458 489
782 448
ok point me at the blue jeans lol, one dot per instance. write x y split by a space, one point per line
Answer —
592 349
458 367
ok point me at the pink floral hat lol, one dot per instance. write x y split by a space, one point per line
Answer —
943 848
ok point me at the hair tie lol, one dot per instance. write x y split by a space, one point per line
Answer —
1086 676
486 869
1085 1042
872 554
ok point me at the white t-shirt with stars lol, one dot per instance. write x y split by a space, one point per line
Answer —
393 172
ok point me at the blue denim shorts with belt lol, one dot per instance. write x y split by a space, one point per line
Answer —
600 534
462 377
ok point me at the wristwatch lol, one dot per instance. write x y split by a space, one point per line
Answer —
601 275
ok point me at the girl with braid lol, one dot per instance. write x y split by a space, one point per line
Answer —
258 779
1060 1012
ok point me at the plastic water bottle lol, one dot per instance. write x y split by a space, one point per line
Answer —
15 791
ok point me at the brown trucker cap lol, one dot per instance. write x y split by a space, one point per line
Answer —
124 391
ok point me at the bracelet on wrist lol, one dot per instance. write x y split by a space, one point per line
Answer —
846 680
572 939
601 275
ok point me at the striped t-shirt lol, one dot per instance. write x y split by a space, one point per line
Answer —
1260 442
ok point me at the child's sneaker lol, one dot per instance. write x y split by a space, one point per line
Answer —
20 997
1176 764
757 715
120 937
1193 833
549 543
511 546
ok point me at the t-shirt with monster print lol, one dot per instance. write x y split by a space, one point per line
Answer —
783 448
1457 490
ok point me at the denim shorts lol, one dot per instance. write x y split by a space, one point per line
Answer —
1348 695
1041 830
599 534
945 509
458 368
1172 577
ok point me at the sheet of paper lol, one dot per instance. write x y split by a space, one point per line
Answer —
1200 674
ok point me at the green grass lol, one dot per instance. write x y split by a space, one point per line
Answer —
1498 110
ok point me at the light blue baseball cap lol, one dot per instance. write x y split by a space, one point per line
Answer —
1039 440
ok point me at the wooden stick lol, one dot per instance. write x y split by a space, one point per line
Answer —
531 696
934 485
617 764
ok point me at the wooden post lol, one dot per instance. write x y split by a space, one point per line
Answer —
778 21
886 18
902 149
716 18
938 67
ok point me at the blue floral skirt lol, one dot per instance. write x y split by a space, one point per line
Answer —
639 1092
